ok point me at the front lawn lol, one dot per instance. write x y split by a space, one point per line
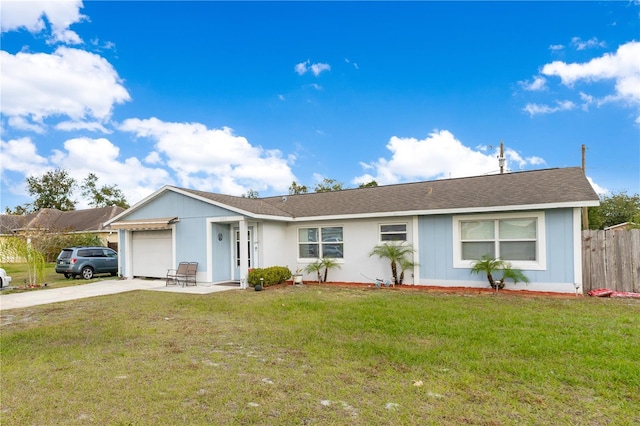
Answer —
314 355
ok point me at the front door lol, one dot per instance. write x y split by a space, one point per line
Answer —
236 260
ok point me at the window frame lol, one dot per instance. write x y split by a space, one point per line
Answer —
539 264
320 243
381 233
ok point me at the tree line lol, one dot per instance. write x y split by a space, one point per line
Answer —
54 190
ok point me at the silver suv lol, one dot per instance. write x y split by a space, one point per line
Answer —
87 262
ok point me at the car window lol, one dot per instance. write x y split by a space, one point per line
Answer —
65 254
111 253
84 253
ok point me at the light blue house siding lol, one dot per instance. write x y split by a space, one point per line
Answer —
436 253
190 232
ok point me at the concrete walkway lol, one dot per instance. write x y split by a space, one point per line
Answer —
101 288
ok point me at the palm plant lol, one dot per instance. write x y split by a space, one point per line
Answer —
405 265
320 266
490 265
315 267
328 263
394 253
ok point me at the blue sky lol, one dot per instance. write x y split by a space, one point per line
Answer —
228 97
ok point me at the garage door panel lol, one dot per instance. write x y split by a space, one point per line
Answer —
151 252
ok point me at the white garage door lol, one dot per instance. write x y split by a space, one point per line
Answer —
151 253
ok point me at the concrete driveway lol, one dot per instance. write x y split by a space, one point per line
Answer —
101 288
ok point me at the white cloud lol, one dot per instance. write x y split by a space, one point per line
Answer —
214 159
536 109
538 83
69 83
599 189
21 124
556 47
78 125
30 15
355 65
316 69
623 67
82 156
301 68
440 155
20 155
153 158
580 44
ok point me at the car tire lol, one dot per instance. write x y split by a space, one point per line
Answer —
68 275
87 272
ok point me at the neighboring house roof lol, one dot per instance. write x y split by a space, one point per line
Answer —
566 187
620 226
87 220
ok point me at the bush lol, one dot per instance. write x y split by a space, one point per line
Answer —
272 275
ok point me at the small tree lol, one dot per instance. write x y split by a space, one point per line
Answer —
51 190
252 193
614 209
13 249
328 185
329 263
315 267
297 189
371 184
321 268
105 196
405 265
490 265
394 253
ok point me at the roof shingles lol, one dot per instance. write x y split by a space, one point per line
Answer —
529 188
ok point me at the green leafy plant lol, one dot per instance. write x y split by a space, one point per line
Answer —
15 249
490 265
405 265
396 254
271 275
321 268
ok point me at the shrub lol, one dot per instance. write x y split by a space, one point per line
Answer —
272 275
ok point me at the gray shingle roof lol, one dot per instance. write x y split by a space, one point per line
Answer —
564 186
86 220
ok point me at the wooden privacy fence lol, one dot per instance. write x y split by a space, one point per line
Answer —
611 259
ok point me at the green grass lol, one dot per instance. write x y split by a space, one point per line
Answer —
324 356
19 278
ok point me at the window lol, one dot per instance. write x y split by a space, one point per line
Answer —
393 232
517 238
320 242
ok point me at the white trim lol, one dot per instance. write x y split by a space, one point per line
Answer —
541 245
406 231
209 248
319 228
577 249
243 229
416 249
